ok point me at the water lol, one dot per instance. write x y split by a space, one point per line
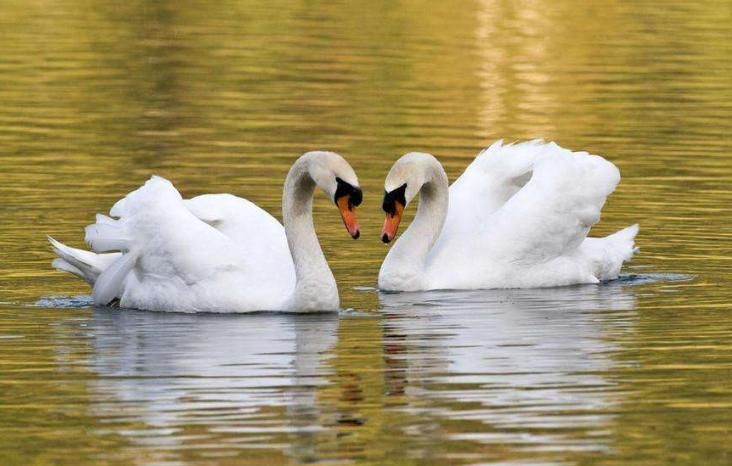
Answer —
97 97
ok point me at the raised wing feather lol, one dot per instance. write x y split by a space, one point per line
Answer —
553 213
533 237
496 174
173 255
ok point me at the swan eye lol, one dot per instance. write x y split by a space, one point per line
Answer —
355 195
392 197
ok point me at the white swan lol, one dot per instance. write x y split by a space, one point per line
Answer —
517 218
216 252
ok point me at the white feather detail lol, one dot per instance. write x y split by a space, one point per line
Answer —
518 217
110 283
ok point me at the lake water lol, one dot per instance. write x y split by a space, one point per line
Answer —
96 97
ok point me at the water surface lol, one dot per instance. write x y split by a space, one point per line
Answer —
222 98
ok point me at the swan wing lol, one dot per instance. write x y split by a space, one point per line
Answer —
173 260
553 213
496 174
257 234
244 222
534 237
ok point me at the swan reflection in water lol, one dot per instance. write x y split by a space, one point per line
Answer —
518 369
215 381
524 367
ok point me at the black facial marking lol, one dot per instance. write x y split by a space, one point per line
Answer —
392 197
355 195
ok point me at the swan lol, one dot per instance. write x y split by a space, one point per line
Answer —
216 252
518 217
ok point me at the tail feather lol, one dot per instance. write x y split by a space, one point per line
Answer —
112 241
84 264
62 265
109 284
624 241
608 254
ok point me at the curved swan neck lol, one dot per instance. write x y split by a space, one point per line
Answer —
315 286
407 258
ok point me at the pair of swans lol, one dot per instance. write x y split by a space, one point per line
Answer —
518 217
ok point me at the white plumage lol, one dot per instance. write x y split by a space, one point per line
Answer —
212 253
518 217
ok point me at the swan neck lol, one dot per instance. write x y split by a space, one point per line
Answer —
315 286
408 257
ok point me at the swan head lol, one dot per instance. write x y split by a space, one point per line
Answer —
335 177
404 181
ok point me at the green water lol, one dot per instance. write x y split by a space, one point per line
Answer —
96 97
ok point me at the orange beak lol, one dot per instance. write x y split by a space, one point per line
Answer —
391 223
348 214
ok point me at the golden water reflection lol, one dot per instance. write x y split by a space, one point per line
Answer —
96 97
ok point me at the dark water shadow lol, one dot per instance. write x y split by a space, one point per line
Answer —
86 301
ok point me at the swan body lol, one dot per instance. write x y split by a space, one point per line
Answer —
518 217
216 252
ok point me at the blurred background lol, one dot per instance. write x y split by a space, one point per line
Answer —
222 97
